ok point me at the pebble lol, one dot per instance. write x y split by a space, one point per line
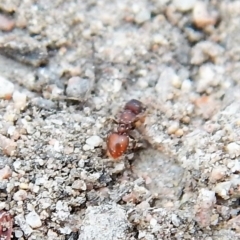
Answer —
33 220
94 141
222 189
6 88
201 16
20 100
79 88
233 149
5 173
79 185
164 84
104 222
142 16
173 128
117 85
218 173
20 195
18 234
6 24
184 5
7 145
23 186
179 132
204 206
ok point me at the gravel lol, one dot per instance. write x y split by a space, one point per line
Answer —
68 68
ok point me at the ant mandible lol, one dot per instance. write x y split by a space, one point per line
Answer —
117 142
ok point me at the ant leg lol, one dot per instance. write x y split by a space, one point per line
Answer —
111 120
134 140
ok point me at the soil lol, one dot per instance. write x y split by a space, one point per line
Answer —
67 68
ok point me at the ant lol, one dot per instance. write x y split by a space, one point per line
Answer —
130 118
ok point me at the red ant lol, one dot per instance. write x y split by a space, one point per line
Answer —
132 115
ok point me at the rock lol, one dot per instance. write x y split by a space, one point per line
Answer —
20 195
104 222
24 49
5 172
79 185
164 84
218 173
79 88
142 16
33 220
184 5
6 24
6 88
222 189
20 100
204 206
233 149
20 220
94 141
7 145
234 223
201 16
206 50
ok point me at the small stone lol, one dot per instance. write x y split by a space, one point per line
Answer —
23 186
218 173
164 86
2 205
104 222
33 220
179 132
20 100
184 5
142 16
6 24
79 185
175 220
201 16
6 88
233 149
117 85
173 128
94 141
153 222
79 88
204 206
119 167
7 145
142 83
18 234
5 173
222 189
20 195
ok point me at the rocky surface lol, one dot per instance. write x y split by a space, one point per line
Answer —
68 67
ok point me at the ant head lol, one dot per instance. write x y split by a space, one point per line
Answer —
122 129
135 106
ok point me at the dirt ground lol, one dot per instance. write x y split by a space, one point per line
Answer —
66 70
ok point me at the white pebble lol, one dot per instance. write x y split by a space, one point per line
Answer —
142 16
79 185
79 88
18 233
6 88
222 189
184 5
33 220
117 85
233 149
20 195
94 141
20 100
